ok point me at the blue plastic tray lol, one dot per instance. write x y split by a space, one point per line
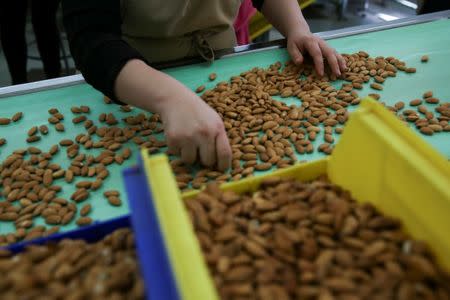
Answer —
91 233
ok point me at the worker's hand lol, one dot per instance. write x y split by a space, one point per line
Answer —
301 42
193 128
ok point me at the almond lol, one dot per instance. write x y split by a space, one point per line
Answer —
5 121
84 221
85 210
212 76
114 201
200 89
376 86
59 127
79 119
17 116
415 102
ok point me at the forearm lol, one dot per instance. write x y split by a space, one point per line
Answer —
145 87
285 15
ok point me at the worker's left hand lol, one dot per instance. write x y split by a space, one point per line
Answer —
301 42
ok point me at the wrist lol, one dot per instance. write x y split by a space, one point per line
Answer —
298 30
142 86
167 94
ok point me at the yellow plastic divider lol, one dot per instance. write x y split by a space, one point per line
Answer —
186 258
378 159
303 172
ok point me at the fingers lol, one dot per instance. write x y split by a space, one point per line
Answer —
212 147
318 49
207 147
223 149
295 53
173 151
331 57
172 147
189 153
342 63
314 50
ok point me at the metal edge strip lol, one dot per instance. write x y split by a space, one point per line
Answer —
26 88
333 34
349 31
239 50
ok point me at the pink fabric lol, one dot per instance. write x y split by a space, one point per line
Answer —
246 11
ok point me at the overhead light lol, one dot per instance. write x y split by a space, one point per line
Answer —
407 3
386 17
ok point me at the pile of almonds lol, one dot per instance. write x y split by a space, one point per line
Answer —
74 269
309 240
425 120
29 185
29 178
266 133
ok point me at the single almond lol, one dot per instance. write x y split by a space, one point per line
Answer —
59 127
84 221
376 86
114 201
79 119
17 116
427 94
200 89
47 178
415 102
33 139
85 210
212 76
66 142
5 121
110 193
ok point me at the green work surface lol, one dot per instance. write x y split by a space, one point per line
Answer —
35 112
406 43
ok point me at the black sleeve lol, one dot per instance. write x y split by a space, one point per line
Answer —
258 4
94 33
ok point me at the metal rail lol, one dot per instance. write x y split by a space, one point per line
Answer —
239 50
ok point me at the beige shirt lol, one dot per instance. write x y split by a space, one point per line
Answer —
172 29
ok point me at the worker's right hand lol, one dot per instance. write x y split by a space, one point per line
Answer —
301 41
194 130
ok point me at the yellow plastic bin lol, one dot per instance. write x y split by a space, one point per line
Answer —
378 159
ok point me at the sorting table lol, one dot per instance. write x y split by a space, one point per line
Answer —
406 39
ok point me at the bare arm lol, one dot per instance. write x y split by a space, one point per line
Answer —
142 86
287 17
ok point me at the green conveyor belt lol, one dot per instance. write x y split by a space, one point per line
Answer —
406 43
